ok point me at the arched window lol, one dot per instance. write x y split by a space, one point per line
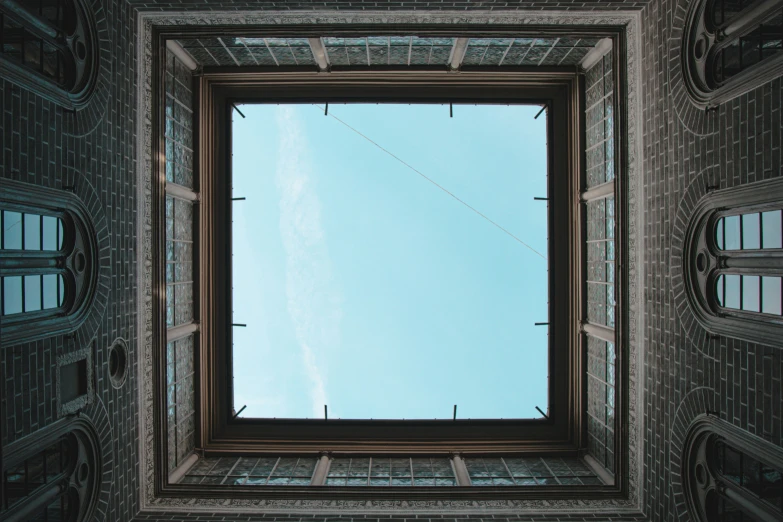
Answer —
734 267
50 47
731 47
52 475
730 474
48 263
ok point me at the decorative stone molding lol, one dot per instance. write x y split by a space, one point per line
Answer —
75 405
87 223
698 208
148 500
697 403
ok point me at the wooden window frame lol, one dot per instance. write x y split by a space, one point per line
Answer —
218 92
562 433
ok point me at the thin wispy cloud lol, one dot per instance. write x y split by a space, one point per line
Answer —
314 303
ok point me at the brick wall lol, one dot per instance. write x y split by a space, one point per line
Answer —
684 149
42 144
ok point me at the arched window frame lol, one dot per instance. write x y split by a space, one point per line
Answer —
703 40
707 488
78 479
704 262
77 261
74 40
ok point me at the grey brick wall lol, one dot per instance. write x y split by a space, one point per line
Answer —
94 147
684 150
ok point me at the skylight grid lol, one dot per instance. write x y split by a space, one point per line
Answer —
384 471
529 471
248 471
388 50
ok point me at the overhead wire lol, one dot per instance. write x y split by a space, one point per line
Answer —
441 187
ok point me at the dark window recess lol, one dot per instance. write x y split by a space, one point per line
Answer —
55 476
32 475
73 381
731 475
759 479
764 41
728 38
52 39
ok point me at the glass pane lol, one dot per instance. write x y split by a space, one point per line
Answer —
32 293
49 233
12 295
731 464
751 231
724 11
732 292
12 230
719 290
771 224
50 291
770 295
733 233
32 232
61 289
719 233
60 234
750 293
771 488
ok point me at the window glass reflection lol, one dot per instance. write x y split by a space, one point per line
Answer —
772 233
750 293
12 295
751 231
12 230
771 295
732 233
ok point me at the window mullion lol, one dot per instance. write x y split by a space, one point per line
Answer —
750 18
747 502
604 190
460 470
178 191
321 470
605 333
37 26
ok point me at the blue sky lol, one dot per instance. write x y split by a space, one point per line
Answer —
367 288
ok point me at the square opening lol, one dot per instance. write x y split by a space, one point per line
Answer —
73 381
389 261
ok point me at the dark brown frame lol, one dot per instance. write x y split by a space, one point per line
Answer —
563 433
218 91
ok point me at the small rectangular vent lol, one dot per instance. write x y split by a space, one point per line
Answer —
73 381
75 388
